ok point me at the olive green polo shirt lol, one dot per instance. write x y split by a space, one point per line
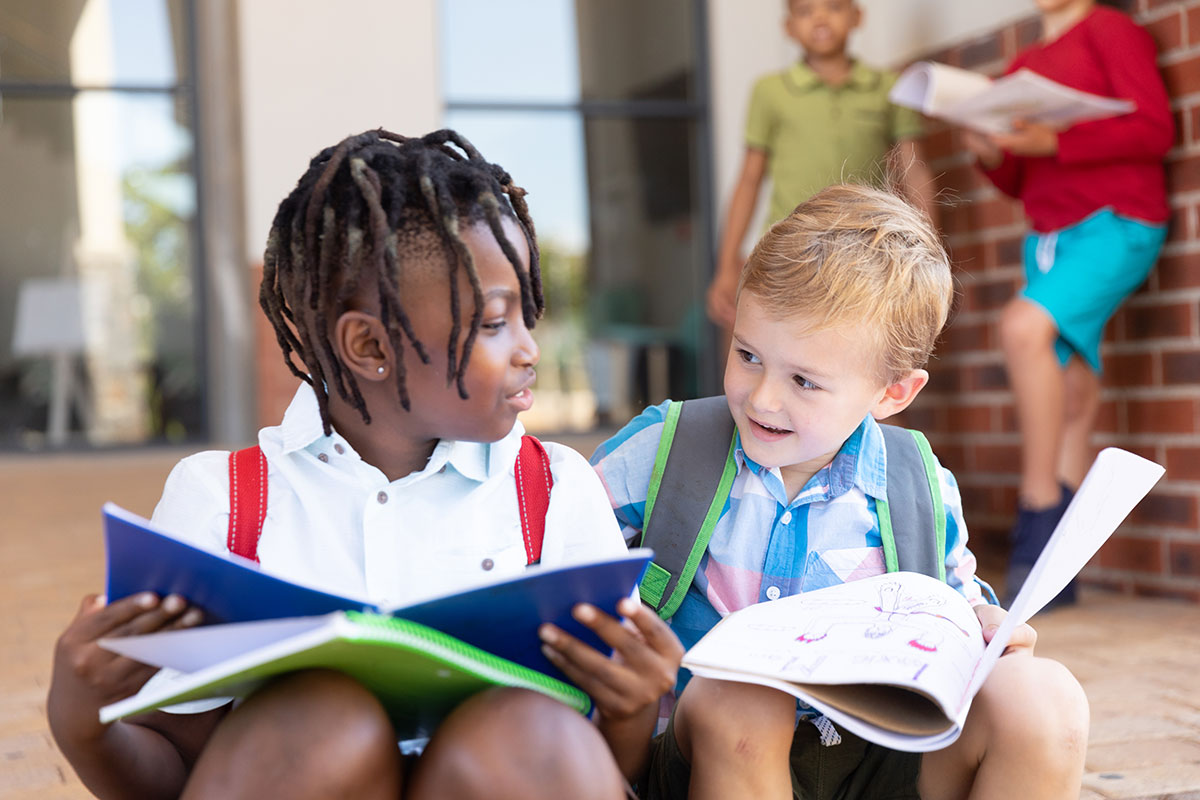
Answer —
815 134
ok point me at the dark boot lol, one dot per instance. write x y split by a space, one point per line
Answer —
1030 534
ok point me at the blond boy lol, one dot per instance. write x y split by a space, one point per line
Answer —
837 312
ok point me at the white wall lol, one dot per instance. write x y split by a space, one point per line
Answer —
313 73
746 39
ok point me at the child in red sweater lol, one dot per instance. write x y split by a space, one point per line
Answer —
1095 194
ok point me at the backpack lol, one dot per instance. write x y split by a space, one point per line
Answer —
693 473
248 498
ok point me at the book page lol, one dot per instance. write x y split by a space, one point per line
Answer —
930 87
1116 482
1025 95
899 628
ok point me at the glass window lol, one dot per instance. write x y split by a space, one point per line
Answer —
100 339
594 107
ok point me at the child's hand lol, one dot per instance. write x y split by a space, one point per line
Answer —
86 676
720 299
1028 139
646 656
1024 637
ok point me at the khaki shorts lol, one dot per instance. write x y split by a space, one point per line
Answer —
855 769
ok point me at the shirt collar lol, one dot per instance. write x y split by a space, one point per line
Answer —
861 463
301 427
802 78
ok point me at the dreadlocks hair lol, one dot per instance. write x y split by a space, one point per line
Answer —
344 224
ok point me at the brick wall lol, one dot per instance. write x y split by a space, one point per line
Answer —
1151 395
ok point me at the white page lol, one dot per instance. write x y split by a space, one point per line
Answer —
930 87
1116 482
1029 96
194 649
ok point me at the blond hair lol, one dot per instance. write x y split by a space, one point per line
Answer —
856 256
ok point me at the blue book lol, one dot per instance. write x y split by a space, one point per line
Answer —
500 618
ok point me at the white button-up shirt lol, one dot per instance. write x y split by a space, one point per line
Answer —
336 523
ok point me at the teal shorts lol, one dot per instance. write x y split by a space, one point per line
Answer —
1081 274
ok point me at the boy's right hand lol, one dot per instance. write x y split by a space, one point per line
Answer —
721 300
86 676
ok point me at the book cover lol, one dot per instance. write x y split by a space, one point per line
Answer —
897 658
419 674
501 618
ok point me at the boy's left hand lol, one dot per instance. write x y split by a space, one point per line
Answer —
1028 139
1023 639
645 660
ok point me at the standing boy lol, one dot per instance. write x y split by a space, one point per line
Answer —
837 311
826 119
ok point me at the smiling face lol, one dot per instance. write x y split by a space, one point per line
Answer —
500 372
797 394
822 27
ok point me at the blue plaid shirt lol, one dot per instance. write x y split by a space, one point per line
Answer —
764 547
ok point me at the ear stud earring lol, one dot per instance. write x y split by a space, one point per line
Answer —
380 370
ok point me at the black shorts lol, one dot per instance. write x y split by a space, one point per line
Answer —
855 769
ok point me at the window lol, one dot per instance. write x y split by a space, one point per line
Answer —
100 330
599 109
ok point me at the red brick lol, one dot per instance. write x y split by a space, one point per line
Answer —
1179 229
983 50
1162 416
1183 174
996 458
994 213
1192 115
1180 271
989 295
1167 32
1193 26
1182 77
1028 31
938 144
1157 321
1183 463
1184 558
1181 368
986 377
1129 369
1008 418
1160 508
1008 251
966 337
970 419
968 257
1132 555
1166 592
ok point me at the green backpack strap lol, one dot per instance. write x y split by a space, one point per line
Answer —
912 521
691 480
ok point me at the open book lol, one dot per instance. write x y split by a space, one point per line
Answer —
268 625
897 658
976 101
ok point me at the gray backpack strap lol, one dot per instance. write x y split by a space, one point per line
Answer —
912 521
693 472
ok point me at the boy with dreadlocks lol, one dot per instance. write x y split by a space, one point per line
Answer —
391 476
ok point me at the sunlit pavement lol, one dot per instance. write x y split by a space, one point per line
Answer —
1138 659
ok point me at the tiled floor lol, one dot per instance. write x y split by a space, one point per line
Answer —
1138 659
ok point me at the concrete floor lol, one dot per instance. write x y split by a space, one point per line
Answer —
1138 659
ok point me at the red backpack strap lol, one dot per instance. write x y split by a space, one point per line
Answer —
533 494
247 501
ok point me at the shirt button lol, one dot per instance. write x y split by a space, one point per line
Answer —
324 459
381 497
339 449
772 592
488 564
786 518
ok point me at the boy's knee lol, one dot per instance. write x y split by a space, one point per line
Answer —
1036 701
727 716
309 734
1024 326
516 743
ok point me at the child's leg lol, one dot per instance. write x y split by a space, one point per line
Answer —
1082 405
1027 336
312 734
1026 737
737 738
513 743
